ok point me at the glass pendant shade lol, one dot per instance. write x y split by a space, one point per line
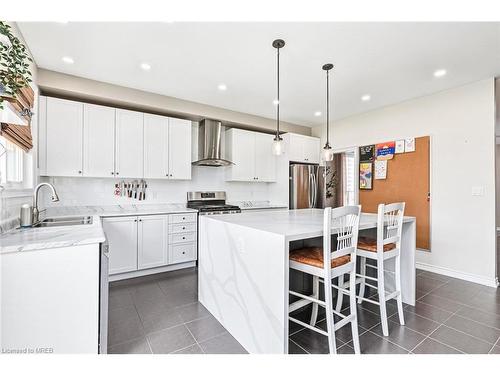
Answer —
278 146
327 153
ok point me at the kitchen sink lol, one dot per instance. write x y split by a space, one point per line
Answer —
64 221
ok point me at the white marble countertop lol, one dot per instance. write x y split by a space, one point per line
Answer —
119 210
292 224
257 205
28 239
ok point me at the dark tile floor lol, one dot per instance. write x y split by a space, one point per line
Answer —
160 314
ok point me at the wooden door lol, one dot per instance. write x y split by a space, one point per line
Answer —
98 141
408 180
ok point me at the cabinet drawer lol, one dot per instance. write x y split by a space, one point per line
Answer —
182 253
182 228
183 218
182 237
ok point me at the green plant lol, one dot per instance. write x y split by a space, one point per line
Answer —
14 64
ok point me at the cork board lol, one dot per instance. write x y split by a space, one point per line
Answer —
408 180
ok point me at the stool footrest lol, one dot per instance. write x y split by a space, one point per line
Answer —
309 298
315 329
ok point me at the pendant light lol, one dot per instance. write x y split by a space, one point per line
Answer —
327 149
278 141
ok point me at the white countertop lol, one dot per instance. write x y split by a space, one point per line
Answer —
293 224
29 239
257 205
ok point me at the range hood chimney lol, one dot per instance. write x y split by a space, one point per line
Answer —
209 145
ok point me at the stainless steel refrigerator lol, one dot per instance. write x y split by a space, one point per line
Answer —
312 186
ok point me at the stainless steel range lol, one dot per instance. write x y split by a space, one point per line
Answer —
210 203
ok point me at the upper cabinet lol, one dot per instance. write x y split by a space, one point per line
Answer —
301 148
80 139
129 144
251 153
98 141
179 149
167 147
64 136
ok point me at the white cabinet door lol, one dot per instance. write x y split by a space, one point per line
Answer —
179 150
121 233
311 150
295 148
152 241
98 141
240 149
156 146
64 138
129 159
265 161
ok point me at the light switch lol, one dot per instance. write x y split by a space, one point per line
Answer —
477 191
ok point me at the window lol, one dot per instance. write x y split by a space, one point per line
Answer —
11 164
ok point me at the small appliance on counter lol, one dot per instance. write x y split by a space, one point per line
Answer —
210 203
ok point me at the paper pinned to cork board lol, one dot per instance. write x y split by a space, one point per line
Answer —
409 144
380 169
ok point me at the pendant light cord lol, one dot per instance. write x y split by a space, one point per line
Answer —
328 107
278 98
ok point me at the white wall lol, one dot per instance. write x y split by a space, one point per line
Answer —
461 123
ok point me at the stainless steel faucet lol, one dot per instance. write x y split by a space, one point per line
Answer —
54 197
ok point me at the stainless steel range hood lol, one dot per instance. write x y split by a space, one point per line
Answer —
209 145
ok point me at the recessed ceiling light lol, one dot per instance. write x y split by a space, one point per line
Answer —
440 73
317 113
276 101
68 60
145 66
366 98
222 87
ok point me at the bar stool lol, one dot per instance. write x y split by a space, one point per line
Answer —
325 264
386 246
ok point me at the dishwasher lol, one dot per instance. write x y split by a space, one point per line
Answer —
103 297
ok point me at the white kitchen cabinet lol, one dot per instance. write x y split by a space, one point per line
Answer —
152 244
129 145
251 153
121 233
167 147
98 141
179 149
301 148
63 140
265 161
156 146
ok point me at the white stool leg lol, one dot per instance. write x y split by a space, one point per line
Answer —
362 271
314 314
399 299
340 295
329 315
381 296
353 307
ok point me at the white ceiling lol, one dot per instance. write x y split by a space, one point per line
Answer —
392 62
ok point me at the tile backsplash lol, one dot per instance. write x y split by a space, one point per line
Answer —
10 209
75 191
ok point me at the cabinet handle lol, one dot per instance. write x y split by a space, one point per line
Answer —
140 219
183 238
183 228
79 172
183 252
113 173
135 221
117 173
183 218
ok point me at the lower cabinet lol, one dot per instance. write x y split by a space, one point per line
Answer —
121 233
150 241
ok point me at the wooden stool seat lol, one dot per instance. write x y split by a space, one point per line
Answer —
313 256
370 244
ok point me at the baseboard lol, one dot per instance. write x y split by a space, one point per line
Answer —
151 271
491 282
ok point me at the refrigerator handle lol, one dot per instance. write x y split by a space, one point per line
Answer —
311 191
315 190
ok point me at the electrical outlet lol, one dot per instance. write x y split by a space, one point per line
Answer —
478 191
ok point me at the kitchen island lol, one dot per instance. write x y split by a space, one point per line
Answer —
244 276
